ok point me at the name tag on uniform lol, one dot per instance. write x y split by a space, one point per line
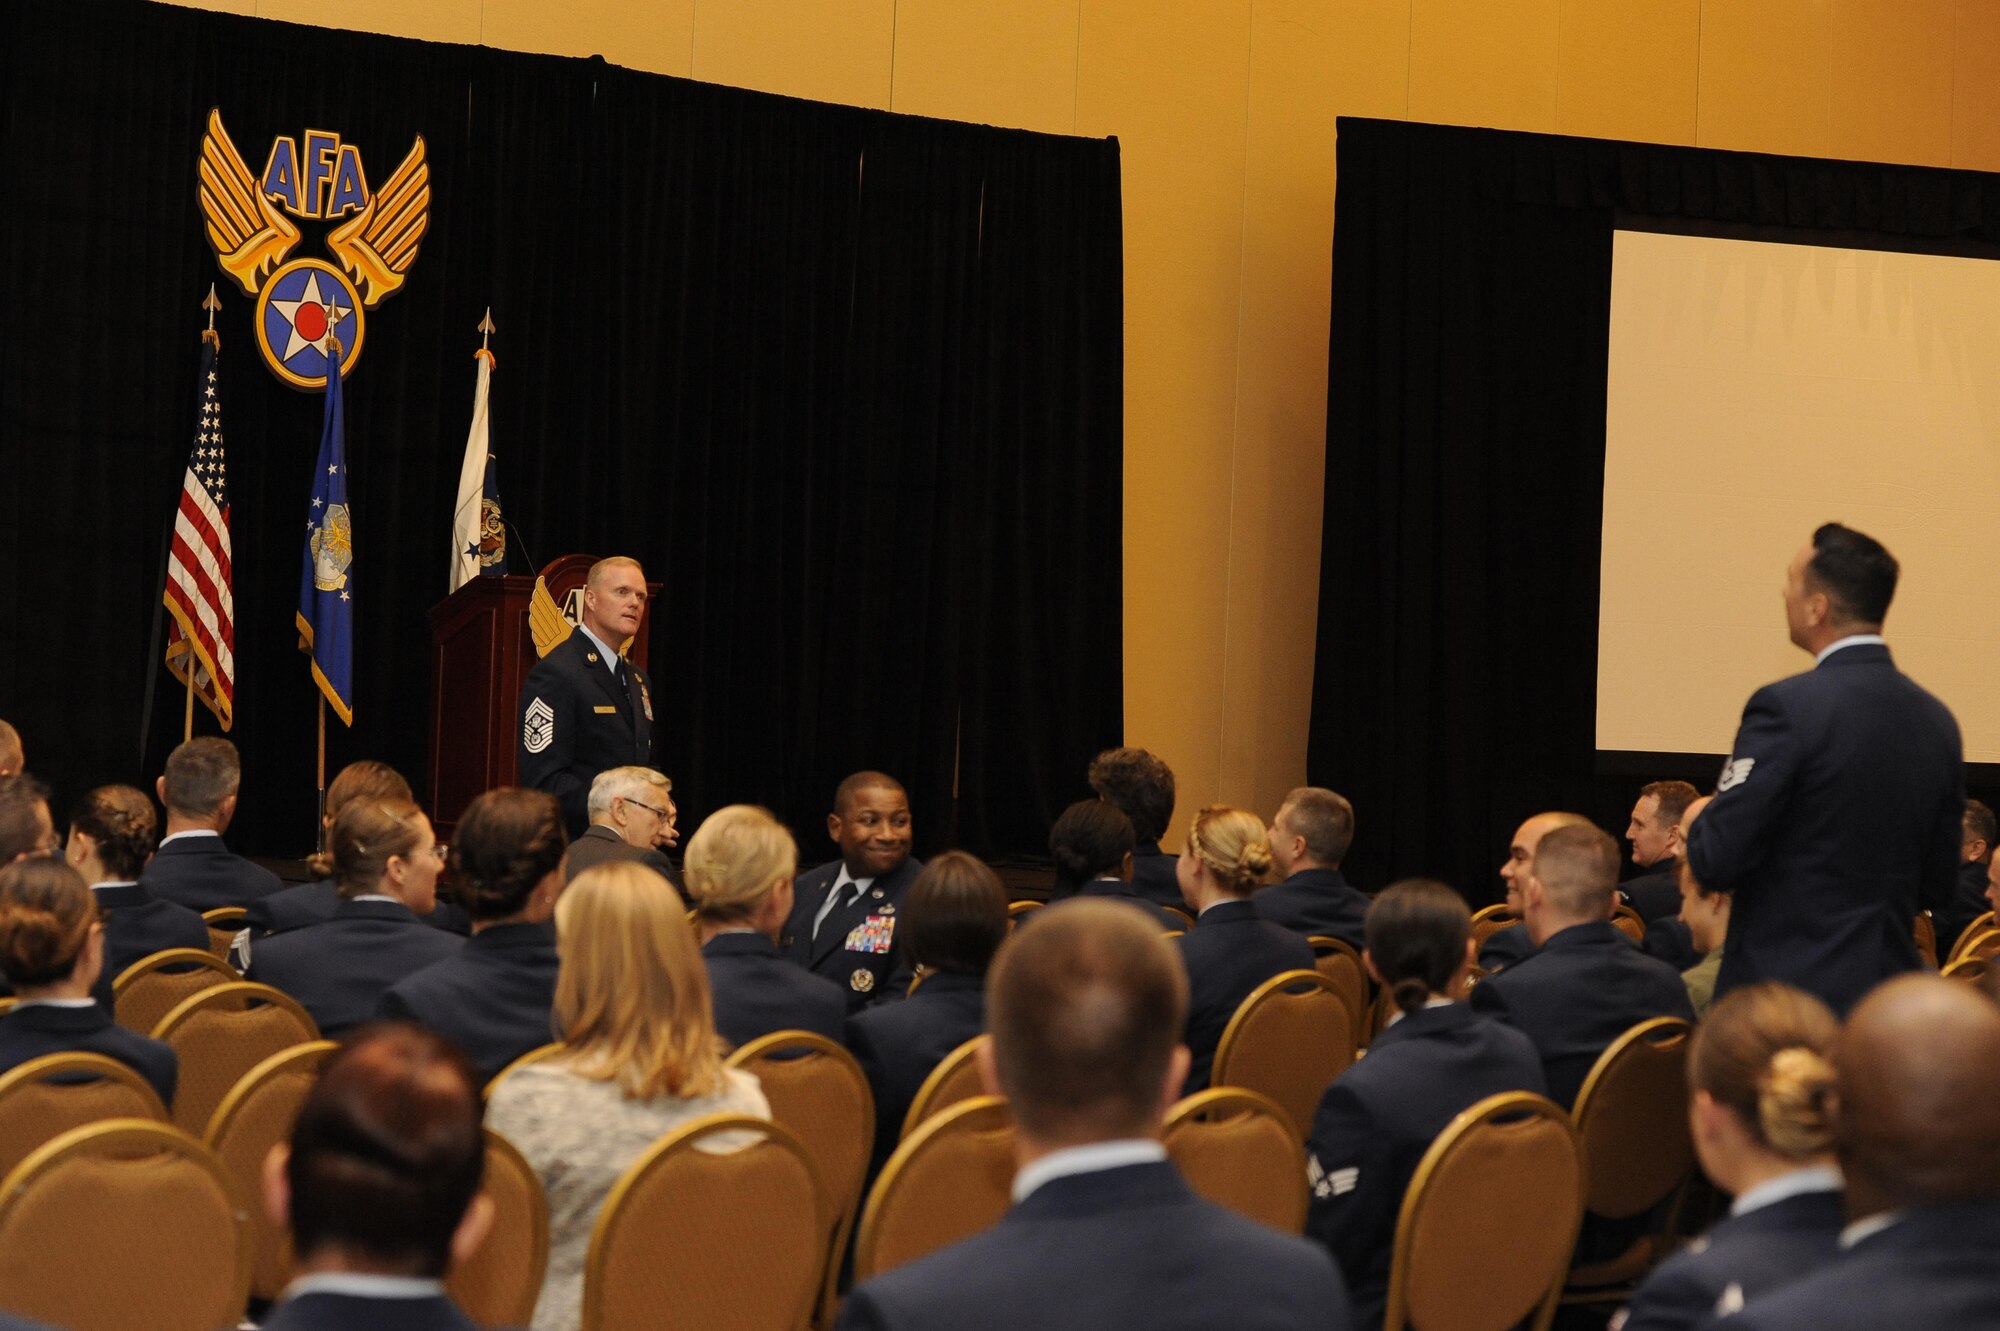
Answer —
604 711
872 934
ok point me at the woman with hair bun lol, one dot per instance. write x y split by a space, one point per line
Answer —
385 861
738 872
494 996
1091 846
111 836
1435 1059
1759 1086
52 951
1229 952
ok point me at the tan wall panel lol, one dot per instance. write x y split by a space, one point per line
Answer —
1629 69
1474 62
1890 92
828 50
247 8
432 21
1172 82
657 37
1363 61
1275 493
1975 87
1765 66
1011 65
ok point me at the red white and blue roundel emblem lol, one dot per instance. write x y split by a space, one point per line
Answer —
305 306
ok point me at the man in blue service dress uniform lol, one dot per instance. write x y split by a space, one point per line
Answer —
585 708
1840 812
1309 838
843 923
1918 1139
1104 1233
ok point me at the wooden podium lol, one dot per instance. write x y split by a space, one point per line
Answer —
481 653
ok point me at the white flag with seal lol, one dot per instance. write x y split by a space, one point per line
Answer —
478 536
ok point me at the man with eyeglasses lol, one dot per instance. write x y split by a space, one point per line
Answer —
631 818
585 708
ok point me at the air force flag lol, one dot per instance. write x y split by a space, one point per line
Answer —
326 587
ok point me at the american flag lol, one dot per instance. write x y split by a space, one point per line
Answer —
202 637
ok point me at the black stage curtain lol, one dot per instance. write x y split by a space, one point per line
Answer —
1455 686
848 382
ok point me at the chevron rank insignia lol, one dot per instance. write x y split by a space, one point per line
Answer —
538 727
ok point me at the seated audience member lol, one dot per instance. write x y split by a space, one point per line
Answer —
1506 946
1655 834
13 757
739 869
1091 848
843 921
1917 1134
641 1059
310 903
1585 985
1229 952
632 816
492 998
1705 916
1309 838
385 861
110 836
1085 1010
1760 1088
52 950
954 919
192 866
1142 787
1434 1060
379 1185
25 826
1968 902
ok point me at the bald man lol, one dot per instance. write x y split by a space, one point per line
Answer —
1085 1012
585 708
1507 946
1918 1137
1586 984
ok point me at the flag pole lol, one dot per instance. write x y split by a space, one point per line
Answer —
187 717
320 843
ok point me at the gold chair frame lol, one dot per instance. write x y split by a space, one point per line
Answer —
1980 925
980 1114
268 1240
1225 1102
535 1055
1269 992
927 1102
224 923
1326 947
461 1274
1605 1280
194 958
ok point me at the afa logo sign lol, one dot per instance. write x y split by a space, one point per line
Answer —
306 307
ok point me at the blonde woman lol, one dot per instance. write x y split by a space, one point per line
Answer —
1760 1086
1229 951
738 871
642 1059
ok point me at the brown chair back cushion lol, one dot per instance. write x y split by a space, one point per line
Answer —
221 1034
1632 1117
947 1181
120 1225
691 1240
1337 960
952 1081
257 1114
153 986
1238 1150
1489 1220
46 1097
1290 1038
499 1283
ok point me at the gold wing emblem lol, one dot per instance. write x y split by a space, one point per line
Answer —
248 232
379 243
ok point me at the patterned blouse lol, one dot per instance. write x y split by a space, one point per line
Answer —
581 1135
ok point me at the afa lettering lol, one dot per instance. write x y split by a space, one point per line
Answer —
330 168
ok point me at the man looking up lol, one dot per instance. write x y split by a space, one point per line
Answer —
1586 984
1507 946
1840 812
1085 1017
379 1186
843 921
1917 1133
1309 838
1655 835
192 865
584 707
